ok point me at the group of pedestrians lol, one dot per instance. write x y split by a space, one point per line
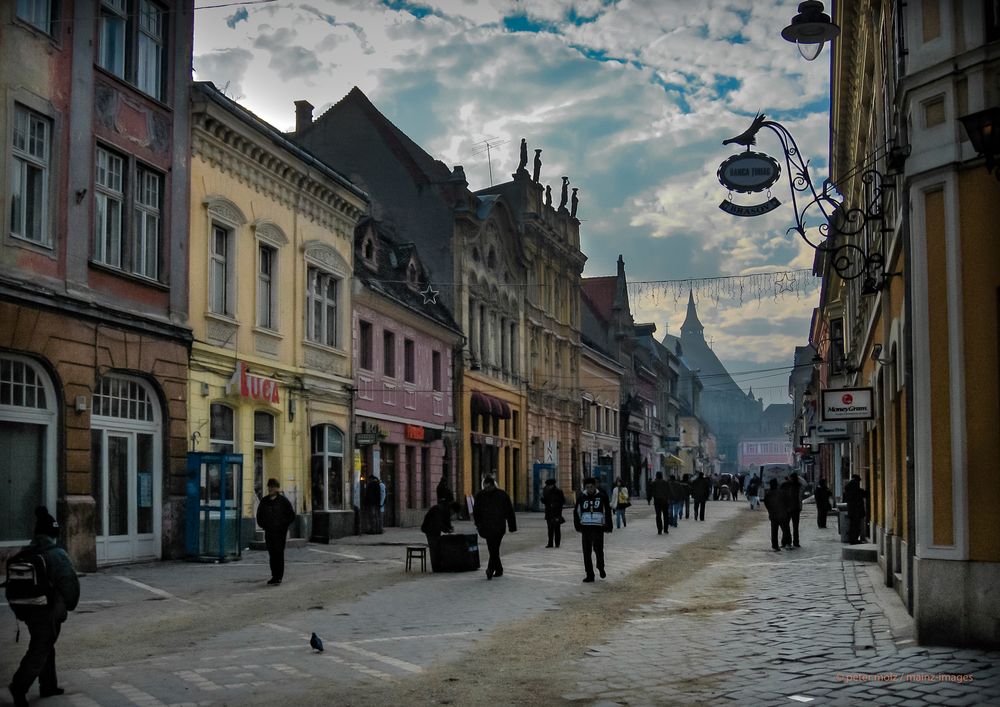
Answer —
784 507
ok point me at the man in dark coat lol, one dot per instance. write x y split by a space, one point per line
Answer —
553 499
373 505
777 513
493 514
854 497
436 522
45 622
659 492
701 487
822 496
275 514
592 519
793 502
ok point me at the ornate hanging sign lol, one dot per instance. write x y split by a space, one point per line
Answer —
749 172
752 210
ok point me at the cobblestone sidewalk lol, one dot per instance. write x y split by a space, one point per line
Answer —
800 626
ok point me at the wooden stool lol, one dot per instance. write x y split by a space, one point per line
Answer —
419 552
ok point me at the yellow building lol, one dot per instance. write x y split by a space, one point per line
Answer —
270 303
922 332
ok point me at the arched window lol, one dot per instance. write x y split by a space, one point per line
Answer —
327 468
27 447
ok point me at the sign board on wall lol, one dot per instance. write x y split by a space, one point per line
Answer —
247 385
848 404
832 430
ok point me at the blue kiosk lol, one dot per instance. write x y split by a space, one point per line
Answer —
213 508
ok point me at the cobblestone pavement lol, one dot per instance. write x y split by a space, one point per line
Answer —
756 628
765 628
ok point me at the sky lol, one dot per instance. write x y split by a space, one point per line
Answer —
630 99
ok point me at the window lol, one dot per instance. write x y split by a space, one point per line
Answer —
365 345
263 443
321 307
37 13
409 362
29 183
389 354
220 272
132 43
222 429
123 398
141 255
436 370
266 258
327 468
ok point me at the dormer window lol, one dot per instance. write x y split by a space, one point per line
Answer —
368 251
411 276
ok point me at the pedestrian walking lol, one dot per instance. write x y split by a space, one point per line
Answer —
553 499
592 519
793 502
493 514
381 506
753 489
373 502
436 522
822 496
676 499
777 513
620 502
701 487
275 514
659 492
44 621
854 497
686 484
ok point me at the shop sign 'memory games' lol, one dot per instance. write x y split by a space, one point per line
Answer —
848 404
749 172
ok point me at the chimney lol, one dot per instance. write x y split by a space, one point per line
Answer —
303 115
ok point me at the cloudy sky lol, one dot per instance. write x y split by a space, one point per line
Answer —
629 98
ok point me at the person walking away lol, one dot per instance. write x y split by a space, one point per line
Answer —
553 499
822 496
592 519
753 489
381 506
372 495
686 485
44 621
493 514
701 487
436 522
659 491
275 514
776 513
855 500
619 502
793 491
734 488
676 499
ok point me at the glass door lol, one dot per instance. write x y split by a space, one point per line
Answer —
124 496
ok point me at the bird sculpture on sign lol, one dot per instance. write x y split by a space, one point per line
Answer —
749 136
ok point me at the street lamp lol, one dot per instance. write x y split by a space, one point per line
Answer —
982 128
810 29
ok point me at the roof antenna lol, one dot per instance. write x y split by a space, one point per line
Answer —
486 145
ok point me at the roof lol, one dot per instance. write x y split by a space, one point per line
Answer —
600 292
691 321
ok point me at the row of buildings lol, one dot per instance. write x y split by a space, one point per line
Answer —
914 334
179 278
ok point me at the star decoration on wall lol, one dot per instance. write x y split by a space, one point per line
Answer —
430 295
784 283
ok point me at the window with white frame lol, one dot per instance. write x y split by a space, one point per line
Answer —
221 271
321 307
263 443
327 468
37 13
132 43
139 254
29 188
267 258
222 429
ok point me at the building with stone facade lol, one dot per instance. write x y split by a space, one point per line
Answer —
921 332
93 274
271 268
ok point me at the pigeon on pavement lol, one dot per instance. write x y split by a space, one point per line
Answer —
316 643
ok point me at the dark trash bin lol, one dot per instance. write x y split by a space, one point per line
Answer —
456 553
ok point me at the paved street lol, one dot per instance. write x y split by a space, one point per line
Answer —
705 615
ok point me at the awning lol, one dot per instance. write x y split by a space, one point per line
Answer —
485 404
673 460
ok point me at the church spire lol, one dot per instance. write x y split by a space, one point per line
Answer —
691 323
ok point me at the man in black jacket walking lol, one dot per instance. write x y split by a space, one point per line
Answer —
701 487
493 513
553 499
592 519
275 514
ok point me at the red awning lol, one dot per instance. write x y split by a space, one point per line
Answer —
485 404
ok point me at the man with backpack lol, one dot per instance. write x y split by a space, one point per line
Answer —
41 588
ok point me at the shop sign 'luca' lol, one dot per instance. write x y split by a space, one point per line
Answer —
749 172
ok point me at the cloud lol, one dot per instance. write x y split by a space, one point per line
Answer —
226 68
240 15
288 59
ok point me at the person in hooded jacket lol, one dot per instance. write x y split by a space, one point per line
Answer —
44 623
553 499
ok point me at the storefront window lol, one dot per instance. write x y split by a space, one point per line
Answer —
327 468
